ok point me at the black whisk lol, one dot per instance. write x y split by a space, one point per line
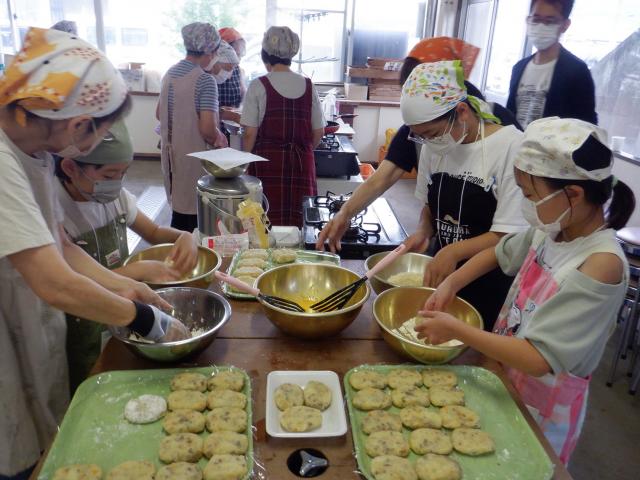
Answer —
277 302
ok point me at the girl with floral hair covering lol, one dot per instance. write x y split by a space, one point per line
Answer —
59 95
465 179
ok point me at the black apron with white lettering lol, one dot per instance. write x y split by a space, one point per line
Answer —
462 207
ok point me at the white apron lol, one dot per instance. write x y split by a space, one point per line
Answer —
33 368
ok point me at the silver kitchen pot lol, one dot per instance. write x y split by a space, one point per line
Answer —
219 199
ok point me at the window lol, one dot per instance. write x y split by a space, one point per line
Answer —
135 37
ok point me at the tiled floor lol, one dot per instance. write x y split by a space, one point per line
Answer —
610 444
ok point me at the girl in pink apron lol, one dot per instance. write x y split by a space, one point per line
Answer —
571 276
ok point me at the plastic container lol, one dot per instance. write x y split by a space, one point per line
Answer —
366 170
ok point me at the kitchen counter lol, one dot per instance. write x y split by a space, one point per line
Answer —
251 342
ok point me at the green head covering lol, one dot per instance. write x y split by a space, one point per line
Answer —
115 148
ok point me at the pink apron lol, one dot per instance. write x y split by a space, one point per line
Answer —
557 402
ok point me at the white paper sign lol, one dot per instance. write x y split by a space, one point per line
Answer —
227 158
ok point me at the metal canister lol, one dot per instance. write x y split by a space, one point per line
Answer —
218 201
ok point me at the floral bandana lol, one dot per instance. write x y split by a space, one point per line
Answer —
446 48
200 37
281 42
434 89
57 76
226 54
229 34
565 148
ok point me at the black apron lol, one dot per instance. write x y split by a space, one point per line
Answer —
461 208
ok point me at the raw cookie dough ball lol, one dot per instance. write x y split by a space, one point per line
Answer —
78 472
255 253
219 443
471 441
410 396
226 467
430 440
228 419
371 399
386 443
179 471
145 409
437 467
379 421
390 467
317 395
362 379
301 419
252 262
181 447
254 272
288 395
183 421
187 400
189 381
283 255
455 416
420 417
441 396
437 377
226 398
227 380
133 470
404 378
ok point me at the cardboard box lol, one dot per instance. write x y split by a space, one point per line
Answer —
354 91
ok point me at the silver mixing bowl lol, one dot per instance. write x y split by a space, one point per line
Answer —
196 309
221 173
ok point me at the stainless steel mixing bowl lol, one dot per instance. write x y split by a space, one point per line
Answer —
202 311
221 173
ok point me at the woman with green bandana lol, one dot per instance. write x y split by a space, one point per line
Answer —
97 212
465 178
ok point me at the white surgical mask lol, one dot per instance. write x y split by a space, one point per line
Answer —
222 76
530 214
210 65
445 143
543 36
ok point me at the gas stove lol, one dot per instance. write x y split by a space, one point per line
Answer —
375 229
336 157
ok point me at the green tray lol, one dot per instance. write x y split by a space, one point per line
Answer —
94 429
518 455
303 256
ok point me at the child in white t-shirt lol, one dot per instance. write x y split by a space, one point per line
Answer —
571 276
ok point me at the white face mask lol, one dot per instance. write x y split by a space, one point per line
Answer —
530 214
445 143
543 36
222 76
210 65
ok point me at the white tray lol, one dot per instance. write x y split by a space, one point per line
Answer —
334 420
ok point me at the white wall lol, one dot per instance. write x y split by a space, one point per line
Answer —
141 123
629 173
370 126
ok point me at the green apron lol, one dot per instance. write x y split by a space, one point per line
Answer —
108 246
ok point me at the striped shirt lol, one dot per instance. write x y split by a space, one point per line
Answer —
206 94
229 91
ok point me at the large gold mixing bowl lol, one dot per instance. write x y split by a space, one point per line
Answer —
307 283
200 277
395 306
409 262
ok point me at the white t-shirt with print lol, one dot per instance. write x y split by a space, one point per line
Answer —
97 214
532 91
465 160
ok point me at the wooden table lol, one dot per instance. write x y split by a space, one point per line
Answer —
251 342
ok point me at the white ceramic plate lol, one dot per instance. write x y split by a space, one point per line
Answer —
334 420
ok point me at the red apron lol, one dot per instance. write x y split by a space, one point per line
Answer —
285 138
